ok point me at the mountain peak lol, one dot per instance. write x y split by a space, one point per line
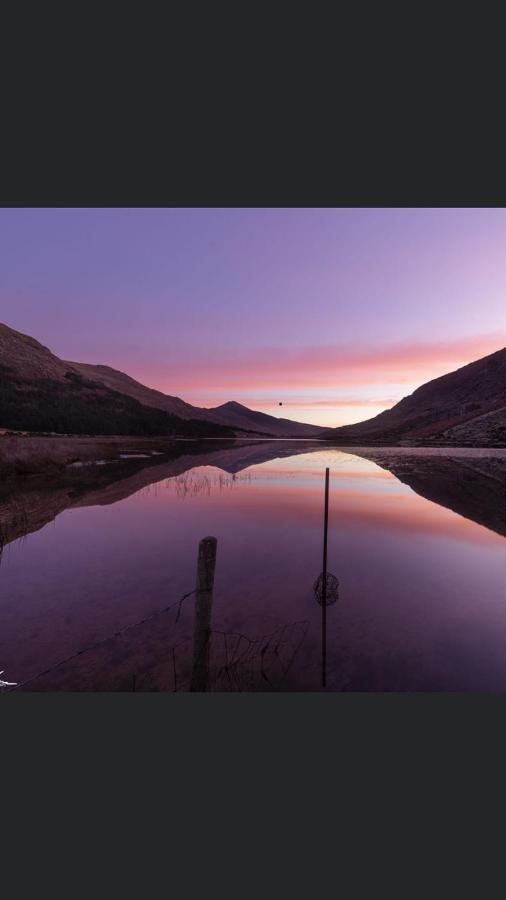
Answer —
235 415
233 405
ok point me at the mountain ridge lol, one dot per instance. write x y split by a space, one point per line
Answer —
450 408
39 391
236 415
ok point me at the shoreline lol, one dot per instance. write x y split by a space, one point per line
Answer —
26 454
22 455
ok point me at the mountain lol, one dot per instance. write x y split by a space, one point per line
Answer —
40 392
124 384
466 407
237 416
232 414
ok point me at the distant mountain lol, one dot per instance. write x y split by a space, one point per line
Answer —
237 416
231 414
40 392
466 407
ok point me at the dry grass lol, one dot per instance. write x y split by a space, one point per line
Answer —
30 454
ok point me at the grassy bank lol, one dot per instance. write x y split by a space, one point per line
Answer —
34 454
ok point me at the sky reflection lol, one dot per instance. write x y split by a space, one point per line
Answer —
422 588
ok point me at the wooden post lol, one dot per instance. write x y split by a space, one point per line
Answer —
203 606
324 585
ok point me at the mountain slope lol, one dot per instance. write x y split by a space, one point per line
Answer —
466 406
28 358
40 392
237 416
232 414
124 384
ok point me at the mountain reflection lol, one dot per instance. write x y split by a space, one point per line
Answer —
416 540
473 486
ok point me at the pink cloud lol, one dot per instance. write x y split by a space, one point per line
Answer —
330 366
332 403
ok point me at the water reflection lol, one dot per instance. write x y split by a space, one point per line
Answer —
417 542
474 486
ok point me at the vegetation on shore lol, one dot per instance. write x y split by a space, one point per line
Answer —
33 454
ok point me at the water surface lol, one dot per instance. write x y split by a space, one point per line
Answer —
417 541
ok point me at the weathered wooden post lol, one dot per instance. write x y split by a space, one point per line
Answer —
203 606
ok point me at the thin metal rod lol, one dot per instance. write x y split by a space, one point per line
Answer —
324 585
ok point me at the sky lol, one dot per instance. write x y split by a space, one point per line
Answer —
335 313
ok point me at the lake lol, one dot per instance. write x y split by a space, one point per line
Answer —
96 561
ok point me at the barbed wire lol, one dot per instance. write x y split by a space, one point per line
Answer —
115 634
243 667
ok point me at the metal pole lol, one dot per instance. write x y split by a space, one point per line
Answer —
203 606
324 585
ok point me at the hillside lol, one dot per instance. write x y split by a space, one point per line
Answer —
124 384
233 415
28 358
40 392
465 407
237 416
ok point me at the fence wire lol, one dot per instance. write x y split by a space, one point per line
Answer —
157 654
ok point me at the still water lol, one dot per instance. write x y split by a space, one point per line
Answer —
94 566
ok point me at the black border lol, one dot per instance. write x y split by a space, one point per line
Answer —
244 771
339 143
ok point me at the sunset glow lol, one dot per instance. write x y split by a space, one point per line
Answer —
334 313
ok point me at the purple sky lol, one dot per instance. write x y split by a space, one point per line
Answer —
336 313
